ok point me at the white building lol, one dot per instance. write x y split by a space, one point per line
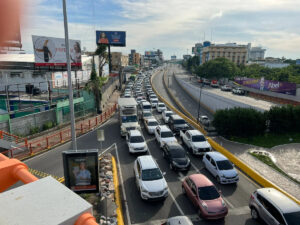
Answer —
255 53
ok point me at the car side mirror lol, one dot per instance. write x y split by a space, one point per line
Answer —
164 173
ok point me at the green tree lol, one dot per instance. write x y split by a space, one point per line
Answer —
217 68
103 56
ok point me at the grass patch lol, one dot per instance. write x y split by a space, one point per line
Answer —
265 159
269 140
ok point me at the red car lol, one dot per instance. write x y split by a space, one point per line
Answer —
205 196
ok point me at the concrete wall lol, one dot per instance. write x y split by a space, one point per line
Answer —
211 100
4 126
108 92
23 124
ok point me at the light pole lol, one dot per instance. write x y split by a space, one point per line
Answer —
71 105
199 102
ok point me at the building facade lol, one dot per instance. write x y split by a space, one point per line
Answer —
118 60
136 60
255 53
153 58
235 53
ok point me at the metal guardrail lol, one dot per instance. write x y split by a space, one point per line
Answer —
241 165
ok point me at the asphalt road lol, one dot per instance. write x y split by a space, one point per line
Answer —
143 212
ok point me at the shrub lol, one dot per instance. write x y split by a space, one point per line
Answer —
34 130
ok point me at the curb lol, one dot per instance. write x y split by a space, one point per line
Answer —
119 210
241 165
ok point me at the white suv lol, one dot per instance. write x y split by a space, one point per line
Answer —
150 125
160 107
164 135
166 114
136 142
220 167
149 179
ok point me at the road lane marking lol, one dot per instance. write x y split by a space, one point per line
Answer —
122 186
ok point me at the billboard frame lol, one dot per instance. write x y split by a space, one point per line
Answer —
84 159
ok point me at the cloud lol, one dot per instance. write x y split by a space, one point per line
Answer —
175 25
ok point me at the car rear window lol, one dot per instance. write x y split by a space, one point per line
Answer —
208 193
224 165
151 174
292 218
198 138
179 121
136 139
167 134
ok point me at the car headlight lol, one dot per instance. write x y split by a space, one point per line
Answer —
204 205
223 203
144 190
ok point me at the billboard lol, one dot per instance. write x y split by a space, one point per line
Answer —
81 170
49 51
113 38
268 85
150 53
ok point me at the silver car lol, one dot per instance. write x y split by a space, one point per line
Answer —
274 208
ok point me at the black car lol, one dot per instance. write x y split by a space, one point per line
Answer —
176 124
175 154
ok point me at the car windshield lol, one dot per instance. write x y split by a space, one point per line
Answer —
167 134
292 218
136 139
147 114
180 121
147 107
161 105
153 123
224 165
177 153
128 119
208 193
169 114
151 174
198 138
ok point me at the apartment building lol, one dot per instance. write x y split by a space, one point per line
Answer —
118 60
235 53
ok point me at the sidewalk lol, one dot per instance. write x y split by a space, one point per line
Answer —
57 136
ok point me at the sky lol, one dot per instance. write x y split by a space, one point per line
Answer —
173 26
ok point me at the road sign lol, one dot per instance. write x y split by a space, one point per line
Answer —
100 135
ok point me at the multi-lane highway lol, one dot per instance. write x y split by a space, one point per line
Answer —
137 211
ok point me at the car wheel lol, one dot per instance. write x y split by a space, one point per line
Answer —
199 212
218 179
183 190
171 166
254 214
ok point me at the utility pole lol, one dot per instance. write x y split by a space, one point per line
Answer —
71 105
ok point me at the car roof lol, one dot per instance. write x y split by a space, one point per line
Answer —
217 156
200 180
161 103
174 144
175 116
147 162
145 103
284 203
151 119
135 133
183 220
164 128
194 132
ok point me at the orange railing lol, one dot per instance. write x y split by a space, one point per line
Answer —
12 138
30 148
13 170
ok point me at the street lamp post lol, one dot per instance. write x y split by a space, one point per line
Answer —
199 102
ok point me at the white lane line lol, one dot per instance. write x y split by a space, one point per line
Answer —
228 202
122 186
171 195
38 156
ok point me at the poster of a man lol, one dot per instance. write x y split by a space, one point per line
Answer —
103 39
46 51
82 175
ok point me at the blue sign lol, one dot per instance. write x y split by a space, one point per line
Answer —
113 38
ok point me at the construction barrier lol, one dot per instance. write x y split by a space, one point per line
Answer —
30 148
241 165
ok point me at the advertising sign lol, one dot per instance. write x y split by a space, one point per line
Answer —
113 38
81 170
150 53
268 85
49 51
